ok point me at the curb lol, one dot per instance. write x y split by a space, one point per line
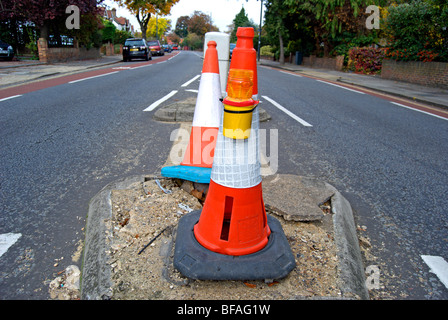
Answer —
435 104
96 281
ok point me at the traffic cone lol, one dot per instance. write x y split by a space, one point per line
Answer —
244 55
198 158
233 222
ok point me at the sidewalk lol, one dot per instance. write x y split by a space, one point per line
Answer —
433 96
19 72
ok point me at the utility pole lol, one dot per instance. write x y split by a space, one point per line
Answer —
259 31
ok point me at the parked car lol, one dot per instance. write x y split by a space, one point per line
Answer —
167 48
6 51
156 48
175 47
232 46
136 48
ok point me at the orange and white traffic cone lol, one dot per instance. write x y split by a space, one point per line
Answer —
233 221
198 158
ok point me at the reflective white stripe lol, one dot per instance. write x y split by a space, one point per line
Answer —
438 266
236 163
7 240
208 110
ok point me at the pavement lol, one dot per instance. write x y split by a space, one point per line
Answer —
428 95
13 73
306 194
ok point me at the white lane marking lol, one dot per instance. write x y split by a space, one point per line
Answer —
429 113
192 90
438 266
101 75
291 74
332 84
7 240
144 66
11 97
156 104
190 81
289 113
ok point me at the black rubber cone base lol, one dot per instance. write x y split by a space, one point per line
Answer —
275 261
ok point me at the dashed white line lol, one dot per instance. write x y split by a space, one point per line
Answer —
101 75
144 66
291 74
192 90
7 240
289 113
190 81
438 266
11 97
156 104
332 84
428 113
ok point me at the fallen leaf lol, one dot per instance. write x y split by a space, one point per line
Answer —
250 285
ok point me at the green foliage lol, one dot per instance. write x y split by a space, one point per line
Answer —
241 20
346 41
109 32
417 31
194 41
266 51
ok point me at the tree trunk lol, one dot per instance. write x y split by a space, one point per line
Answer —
44 31
281 58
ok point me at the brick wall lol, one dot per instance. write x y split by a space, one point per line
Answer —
432 74
324 63
64 54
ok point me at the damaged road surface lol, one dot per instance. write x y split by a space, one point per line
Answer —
131 232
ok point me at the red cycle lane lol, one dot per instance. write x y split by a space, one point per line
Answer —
39 85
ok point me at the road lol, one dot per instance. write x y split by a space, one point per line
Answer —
64 142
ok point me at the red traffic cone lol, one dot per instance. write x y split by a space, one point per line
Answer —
198 158
232 237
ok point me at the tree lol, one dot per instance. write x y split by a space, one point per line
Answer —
325 19
193 41
44 13
182 26
241 20
109 31
200 23
418 30
276 12
157 27
143 9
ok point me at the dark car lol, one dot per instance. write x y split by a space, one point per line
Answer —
136 48
167 48
6 51
156 48
232 46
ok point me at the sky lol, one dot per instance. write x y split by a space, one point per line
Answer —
222 11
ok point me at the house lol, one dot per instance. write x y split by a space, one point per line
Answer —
120 23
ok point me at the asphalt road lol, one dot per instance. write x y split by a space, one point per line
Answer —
388 161
60 145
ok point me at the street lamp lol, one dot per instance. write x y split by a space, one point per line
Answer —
259 29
